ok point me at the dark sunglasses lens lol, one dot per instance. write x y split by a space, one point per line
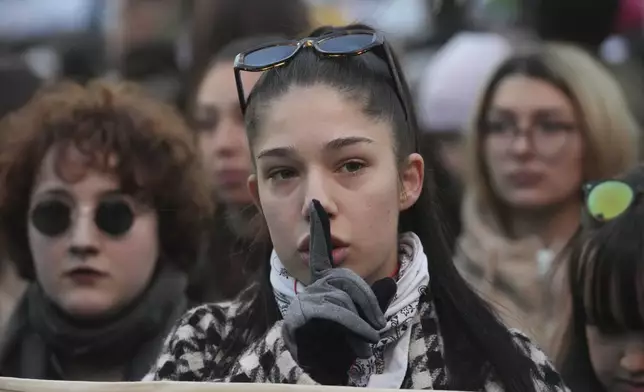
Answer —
51 218
114 218
609 199
270 55
347 43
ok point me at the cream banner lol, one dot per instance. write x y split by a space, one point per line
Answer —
23 385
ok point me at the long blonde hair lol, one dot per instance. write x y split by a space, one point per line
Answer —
610 130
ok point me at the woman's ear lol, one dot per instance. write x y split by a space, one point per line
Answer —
254 191
412 177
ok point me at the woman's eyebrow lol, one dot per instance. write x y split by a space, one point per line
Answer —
501 111
553 111
52 191
56 192
277 152
335 144
340 143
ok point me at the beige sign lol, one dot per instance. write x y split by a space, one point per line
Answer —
22 385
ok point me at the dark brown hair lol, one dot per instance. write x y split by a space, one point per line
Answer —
605 279
218 23
156 161
227 54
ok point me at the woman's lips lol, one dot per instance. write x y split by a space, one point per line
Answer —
85 276
231 177
629 385
339 255
525 179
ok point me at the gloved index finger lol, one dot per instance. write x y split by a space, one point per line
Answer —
321 258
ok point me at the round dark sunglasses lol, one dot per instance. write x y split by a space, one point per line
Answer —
54 217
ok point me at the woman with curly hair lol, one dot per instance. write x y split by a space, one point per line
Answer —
102 201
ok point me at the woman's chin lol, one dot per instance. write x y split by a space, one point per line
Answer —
88 307
532 201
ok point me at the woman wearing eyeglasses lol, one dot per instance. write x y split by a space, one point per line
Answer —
101 203
547 122
360 288
602 348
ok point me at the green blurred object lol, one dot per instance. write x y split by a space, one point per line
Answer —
609 199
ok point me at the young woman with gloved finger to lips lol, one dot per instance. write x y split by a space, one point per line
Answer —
101 203
360 288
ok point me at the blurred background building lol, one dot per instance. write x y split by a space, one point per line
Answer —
164 43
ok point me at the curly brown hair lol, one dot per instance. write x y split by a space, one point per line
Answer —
157 160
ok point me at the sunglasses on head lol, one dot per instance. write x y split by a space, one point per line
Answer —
607 200
338 44
54 217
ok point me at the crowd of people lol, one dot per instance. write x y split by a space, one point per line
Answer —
307 218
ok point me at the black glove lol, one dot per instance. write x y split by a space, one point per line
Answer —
337 318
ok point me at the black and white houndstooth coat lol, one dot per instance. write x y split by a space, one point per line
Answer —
191 354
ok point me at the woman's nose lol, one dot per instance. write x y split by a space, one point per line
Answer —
520 144
633 358
318 188
228 139
84 234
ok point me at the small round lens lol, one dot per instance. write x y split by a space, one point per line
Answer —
114 218
52 218
609 199
270 55
347 43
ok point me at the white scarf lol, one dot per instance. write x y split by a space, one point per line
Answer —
388 366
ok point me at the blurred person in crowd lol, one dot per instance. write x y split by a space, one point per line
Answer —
547 122
18 81
629 72
448 190
449 89
346 298
630 17
446 99
602 349
146 45
622 56
218 23
590 25
229 254
579 22
19 84
102 201
154 67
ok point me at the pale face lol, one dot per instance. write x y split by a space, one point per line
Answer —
85 270
544 165
221 132
338 155
617 359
